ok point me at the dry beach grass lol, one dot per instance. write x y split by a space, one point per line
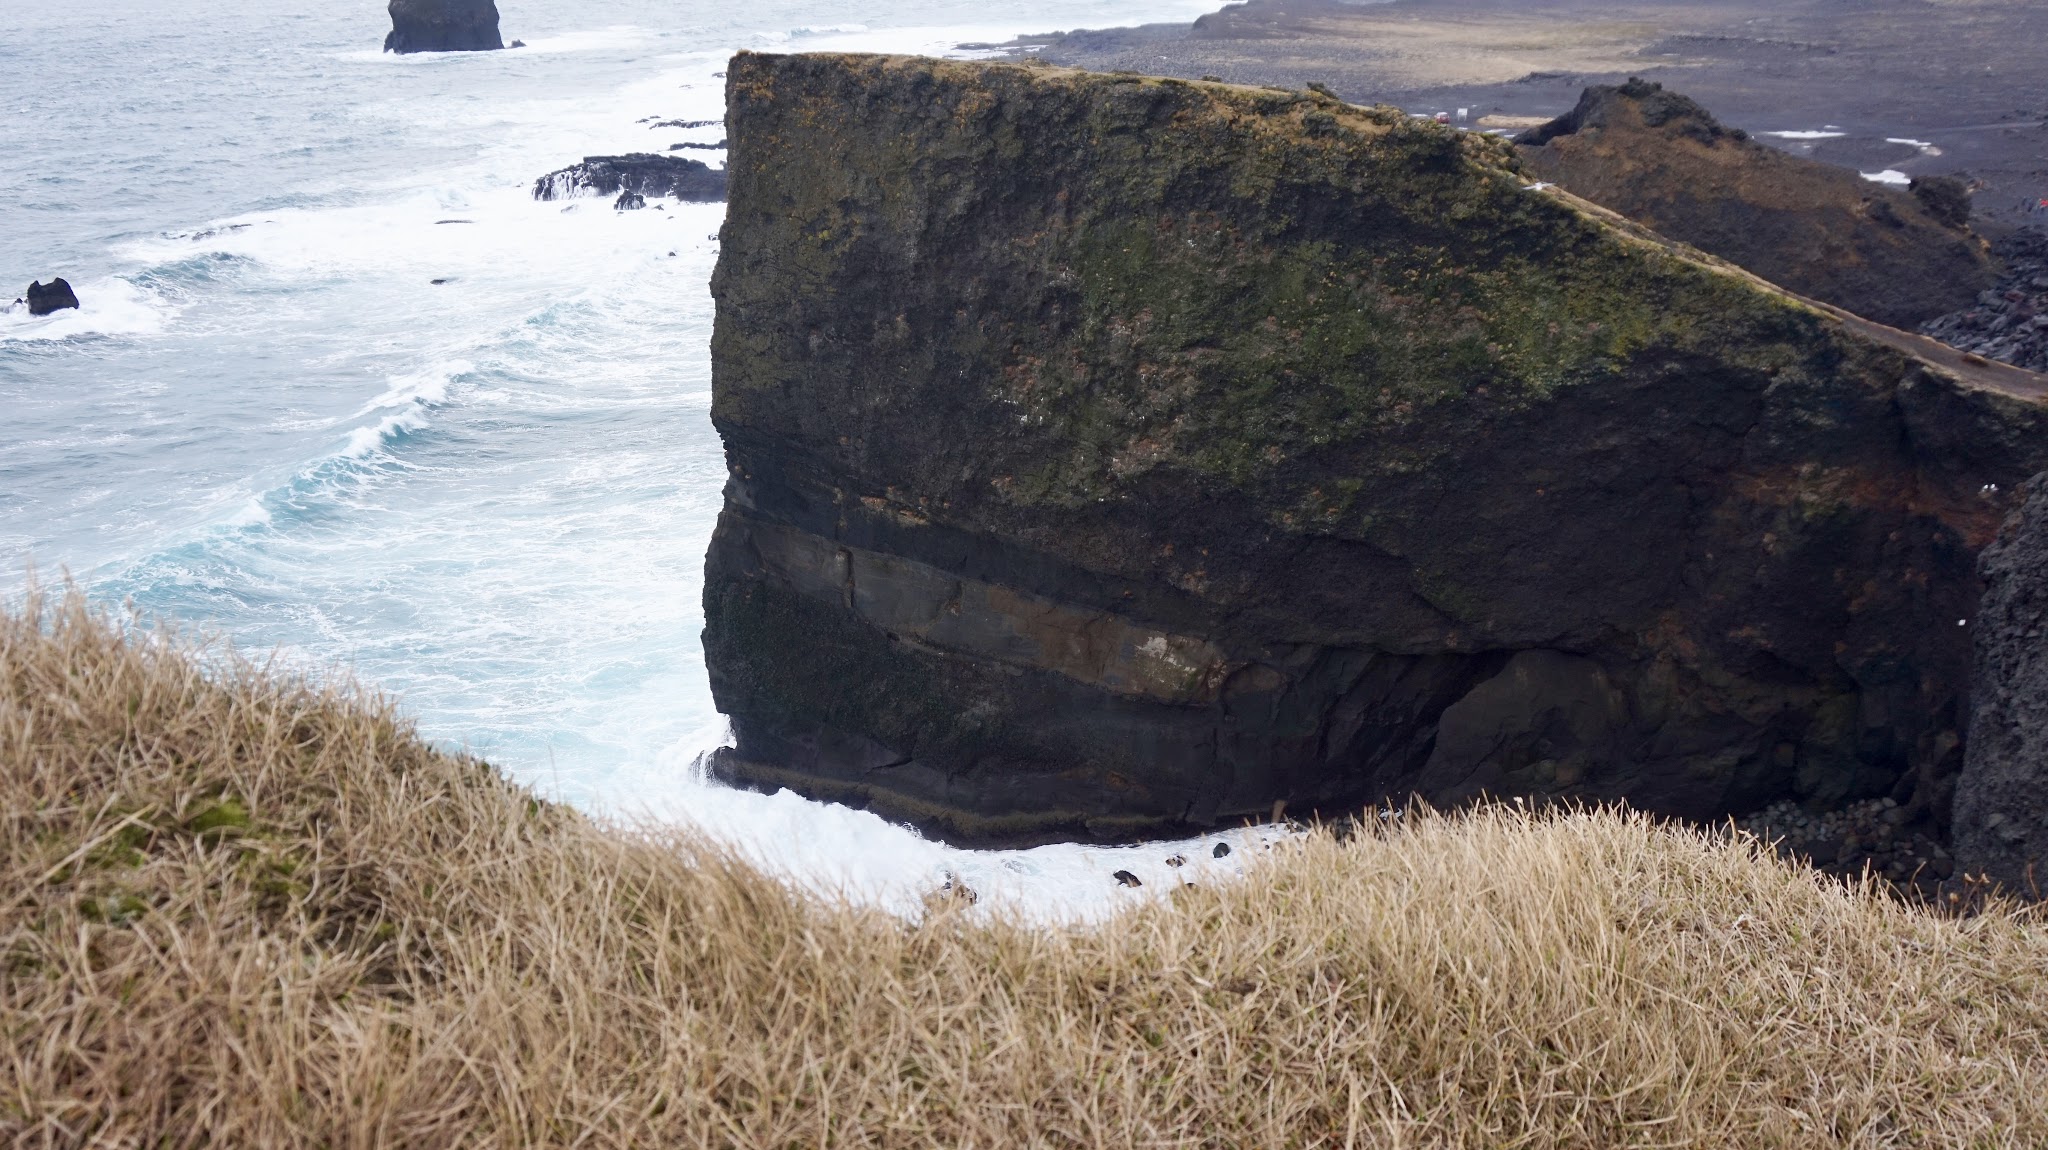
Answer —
243 910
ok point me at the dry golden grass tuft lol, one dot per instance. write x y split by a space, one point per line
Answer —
241 910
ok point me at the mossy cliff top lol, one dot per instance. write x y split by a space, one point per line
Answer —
1239 275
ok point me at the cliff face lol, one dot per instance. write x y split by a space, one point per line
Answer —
1110 454
2001 818
443 26
1822 231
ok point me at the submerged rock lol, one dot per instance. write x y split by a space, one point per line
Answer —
443 26
44 298
2001 806
1822 231
1112 456
641 173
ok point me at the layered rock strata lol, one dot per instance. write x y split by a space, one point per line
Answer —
637 173
1111 456
2001 818
443 26
1662 160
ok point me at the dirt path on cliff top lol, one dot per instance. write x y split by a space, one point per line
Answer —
1920 87
1970 370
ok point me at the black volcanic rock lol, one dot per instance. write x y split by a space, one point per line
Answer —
443 26
44 298
1662 160
2001 803
1112 456
642 173
2008 323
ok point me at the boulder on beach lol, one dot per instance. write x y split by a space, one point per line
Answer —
641 173
44 298
443 26
1825 232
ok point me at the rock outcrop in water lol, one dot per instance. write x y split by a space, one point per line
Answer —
640 173
1112 455
443 26
1822 231
2001 818
44 298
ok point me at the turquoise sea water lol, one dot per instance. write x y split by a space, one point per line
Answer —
489 496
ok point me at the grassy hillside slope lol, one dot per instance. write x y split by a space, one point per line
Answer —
240 910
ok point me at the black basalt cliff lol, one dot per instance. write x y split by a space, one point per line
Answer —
1112 455
443 26
2001 818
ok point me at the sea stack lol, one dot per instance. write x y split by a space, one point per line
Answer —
443 26
44 298
1111 455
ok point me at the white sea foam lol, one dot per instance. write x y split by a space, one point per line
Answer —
1890 177
1806 134
406 403
836 851
605 39
106 307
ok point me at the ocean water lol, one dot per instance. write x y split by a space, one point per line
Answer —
341 389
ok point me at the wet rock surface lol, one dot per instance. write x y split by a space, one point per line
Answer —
1661 159
2001 816
2008 323
44 298
443 26
1111 456
642 174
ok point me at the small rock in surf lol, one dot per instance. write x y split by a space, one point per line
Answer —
643 173
44 298
1126 878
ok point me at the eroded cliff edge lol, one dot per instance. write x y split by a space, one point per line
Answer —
1111 454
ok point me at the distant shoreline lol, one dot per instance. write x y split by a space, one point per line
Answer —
1899 86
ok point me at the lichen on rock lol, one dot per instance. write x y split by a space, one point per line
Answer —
1406 476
